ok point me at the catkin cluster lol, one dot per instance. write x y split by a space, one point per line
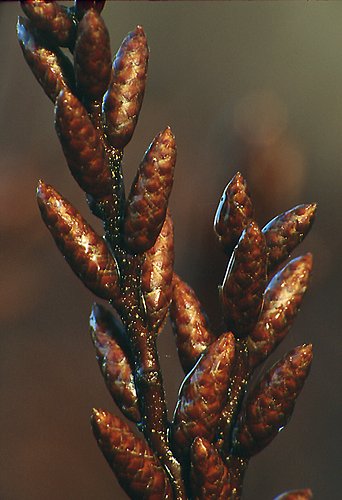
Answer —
218 423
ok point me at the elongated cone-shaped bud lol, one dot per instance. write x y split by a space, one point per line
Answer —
136 467
84 250
82 146
282 300
156 276
189 323
81 6
203 394
209 474
111 352
53 19
92 56
147 202
238 380
50 66
245 282
123 100
234 213
284 233
270 404
305 494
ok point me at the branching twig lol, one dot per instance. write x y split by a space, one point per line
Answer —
203 453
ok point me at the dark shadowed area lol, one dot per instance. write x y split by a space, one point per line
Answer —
255 87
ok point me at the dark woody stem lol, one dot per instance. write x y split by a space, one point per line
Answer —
236 391
237 468
110 212
146 370
147 373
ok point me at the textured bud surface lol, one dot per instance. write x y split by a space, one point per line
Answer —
209 474
189 323
111 352
234 213
82 146
284 233
270 404
138 470
53 19
148 199
282 300
204 394
50 66
156 276
85 251
123 100
245 281
92 56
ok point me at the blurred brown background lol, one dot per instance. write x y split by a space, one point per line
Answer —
249 86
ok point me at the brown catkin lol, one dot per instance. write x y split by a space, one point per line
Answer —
245 282
189 323
204 394
284 233
209 474
137 468
84 250
92 56
50 66
234 213
282 300
52 19
156 276
82 147
270 404
111 352
124 98
148 199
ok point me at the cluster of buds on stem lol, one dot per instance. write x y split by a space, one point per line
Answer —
218 423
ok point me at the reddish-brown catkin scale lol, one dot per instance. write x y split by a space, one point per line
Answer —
189 323
92 56
234 213
111 352
156 276
282 300
148 199
270 404
84 250
131 459
53 19
82 147
203 394
245 281
209 475
305 494
50 66
284 233
124 98
81 6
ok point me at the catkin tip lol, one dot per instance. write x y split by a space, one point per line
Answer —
308 258
167 134
97 415
41 189
139 30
